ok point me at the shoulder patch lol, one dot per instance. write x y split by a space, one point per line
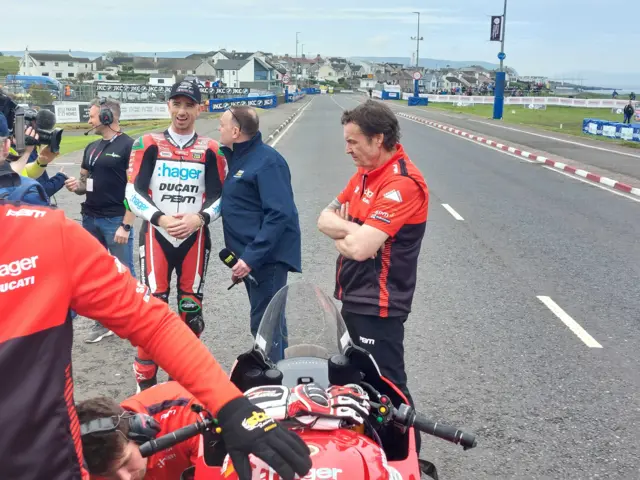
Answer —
138 144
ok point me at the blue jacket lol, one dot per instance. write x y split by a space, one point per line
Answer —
26 190
259 215
51 184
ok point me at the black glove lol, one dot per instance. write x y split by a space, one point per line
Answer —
247 429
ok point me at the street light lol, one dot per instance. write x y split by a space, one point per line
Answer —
498 94
296 61
418 39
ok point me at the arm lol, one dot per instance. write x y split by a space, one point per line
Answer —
214 175
387 218
274 185
53 184
332 224
142 162
103 289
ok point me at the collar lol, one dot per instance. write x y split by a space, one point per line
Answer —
241 148
382 169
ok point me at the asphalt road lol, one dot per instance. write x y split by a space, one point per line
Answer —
605 155
483 351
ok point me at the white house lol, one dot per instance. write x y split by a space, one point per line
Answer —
162 79
252 73
327 72
59 66
368 83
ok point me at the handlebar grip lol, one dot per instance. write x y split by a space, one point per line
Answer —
170 439
444 432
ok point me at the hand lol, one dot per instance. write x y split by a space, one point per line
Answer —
46 156
186 224
327 410
121 236
71 183
30 132
167 221
344 211
241 269
246 429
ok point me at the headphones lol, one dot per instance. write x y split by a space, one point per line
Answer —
142 427
105 115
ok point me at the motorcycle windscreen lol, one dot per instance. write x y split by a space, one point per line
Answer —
301 321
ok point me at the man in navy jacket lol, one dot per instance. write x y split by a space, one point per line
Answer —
259 215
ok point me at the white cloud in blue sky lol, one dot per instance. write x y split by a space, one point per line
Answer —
548 37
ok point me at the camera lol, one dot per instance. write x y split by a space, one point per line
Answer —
43 122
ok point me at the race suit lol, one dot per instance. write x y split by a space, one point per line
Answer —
39 282
167 179
170 405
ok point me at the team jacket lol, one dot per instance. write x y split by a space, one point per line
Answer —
49 264
170 404
164 179
393 198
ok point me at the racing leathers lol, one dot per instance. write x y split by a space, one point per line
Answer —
171 174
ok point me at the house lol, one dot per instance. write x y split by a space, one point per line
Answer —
429 83
252 73
55 65
327 72
162 79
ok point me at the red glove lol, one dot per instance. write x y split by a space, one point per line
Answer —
327 410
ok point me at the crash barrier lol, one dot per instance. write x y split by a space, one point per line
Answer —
548 101
222 104
415 101
311 91
346 91
295 97
67 112
605 128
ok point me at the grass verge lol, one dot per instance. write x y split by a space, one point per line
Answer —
555 119
72 143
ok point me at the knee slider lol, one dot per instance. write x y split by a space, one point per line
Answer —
192 311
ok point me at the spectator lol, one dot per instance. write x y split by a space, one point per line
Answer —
628 112
378 222
259 216
103 178
12 185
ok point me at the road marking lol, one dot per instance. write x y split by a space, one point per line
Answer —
580 332
453 213
336 102
609 150
588 182
275 142
504 152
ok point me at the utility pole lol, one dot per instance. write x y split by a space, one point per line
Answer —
504 29
296 62
418 39
498 99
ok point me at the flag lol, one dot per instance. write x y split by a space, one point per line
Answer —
496 28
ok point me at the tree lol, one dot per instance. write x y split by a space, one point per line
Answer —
40 95
111 54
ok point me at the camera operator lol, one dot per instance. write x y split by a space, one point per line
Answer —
33 163
12 185
103 178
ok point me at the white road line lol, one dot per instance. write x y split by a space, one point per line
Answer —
275 142
453 213
580 332
589 182
609 150
555 170
336 102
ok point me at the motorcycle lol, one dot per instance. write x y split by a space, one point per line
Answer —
302 338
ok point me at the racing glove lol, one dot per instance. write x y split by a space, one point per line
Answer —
247 429
328 409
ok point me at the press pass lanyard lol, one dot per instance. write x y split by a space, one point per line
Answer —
92 159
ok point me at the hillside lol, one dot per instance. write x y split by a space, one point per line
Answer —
9 65
430 62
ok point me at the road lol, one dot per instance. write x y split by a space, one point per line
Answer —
484 349
603 155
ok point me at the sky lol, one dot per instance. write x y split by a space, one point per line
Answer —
555 38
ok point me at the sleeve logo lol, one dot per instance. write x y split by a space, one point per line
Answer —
393 195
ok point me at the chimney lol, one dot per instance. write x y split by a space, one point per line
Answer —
70 53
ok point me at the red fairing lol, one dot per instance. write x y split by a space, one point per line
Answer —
336 455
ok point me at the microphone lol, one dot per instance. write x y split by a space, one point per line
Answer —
45 120
229 259
89 131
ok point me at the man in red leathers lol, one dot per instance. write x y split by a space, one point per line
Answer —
50 264
175 183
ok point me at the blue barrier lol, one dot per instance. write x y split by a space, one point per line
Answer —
222 104
414 101
311 91
294 97
391 95
605 128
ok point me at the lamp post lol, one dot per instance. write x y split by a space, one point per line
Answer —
418 39
498 99
296 61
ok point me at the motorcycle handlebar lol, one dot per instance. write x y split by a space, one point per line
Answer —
444 432
173 438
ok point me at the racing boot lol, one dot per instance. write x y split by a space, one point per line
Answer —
146 372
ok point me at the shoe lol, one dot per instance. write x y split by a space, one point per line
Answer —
144 384
98 332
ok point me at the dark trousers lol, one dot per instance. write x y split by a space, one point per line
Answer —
627 118
384 339
271 278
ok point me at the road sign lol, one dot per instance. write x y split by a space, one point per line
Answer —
286 79
502 56
417 75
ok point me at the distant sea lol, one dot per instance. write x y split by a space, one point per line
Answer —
621 92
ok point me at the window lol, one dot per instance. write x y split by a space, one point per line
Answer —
70 64
42 64
161 80
58 75
260 75
57 63
45 74
71 74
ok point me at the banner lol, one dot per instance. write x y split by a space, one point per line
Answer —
137 88
496 28
79 112
220 105
67 113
